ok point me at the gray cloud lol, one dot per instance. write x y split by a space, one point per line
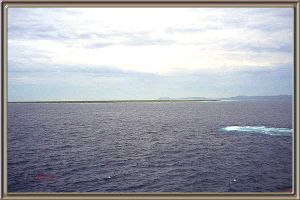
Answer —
76 35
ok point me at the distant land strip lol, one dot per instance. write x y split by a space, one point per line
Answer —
115 101
168 99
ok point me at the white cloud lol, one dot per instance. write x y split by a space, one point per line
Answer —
151 40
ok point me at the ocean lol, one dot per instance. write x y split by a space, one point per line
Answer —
223 146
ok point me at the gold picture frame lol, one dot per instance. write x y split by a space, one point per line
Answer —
6 4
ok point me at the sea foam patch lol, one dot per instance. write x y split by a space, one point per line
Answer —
258 129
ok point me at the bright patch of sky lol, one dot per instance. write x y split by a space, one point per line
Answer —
147 53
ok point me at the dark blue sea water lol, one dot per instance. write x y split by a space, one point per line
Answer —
242 146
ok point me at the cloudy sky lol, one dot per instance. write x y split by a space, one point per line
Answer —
147 53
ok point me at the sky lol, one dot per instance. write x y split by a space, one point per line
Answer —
148 53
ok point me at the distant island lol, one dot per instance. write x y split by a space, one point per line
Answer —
237 98
189 98
248 98
169 99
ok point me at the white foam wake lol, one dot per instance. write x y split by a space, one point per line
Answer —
258 129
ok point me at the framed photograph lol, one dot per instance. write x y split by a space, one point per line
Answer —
150 99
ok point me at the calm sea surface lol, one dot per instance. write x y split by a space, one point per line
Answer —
150 147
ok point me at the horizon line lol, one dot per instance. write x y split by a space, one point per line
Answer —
113 101
160 99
